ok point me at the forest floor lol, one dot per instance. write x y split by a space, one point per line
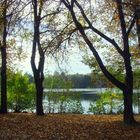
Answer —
27 126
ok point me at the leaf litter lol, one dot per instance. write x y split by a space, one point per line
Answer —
28 126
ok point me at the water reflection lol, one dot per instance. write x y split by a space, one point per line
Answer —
86 99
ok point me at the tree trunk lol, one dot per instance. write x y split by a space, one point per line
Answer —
3 67
138 97
39 97
138 23
128 106
38 70
3 82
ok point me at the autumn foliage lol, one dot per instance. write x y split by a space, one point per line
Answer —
66 127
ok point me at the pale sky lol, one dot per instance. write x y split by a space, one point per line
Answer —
72 65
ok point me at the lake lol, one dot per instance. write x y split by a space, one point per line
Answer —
87 96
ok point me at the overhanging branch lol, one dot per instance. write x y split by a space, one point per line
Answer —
111 41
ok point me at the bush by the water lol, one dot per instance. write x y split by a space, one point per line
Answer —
65 102
109 102
21 92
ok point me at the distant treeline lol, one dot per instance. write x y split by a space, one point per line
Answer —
91 80
63 80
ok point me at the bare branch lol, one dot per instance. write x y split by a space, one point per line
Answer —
111 41
50 14
131 25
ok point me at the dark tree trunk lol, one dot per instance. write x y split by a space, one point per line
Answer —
128 108
128 91
39 97
3 67
39 77
3 81
138 98
138 22
37 70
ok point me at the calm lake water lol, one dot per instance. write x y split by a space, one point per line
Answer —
88 96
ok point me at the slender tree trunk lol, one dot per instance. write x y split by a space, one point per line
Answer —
37 70
138 23
39 97
3 67
39 89
128 91
128 108
3 81
138 97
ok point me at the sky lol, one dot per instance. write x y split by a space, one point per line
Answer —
72 65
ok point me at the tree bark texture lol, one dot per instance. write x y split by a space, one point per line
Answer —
128 109
37 70
3 81
3 59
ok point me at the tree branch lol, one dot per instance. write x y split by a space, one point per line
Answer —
54 13
123 25
131 25
111 41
